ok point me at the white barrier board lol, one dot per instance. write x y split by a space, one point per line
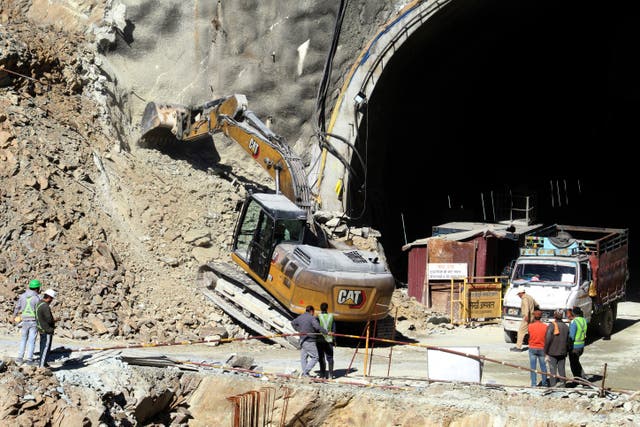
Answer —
443 366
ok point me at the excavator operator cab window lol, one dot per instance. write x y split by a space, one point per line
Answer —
254 238
246 229
288 230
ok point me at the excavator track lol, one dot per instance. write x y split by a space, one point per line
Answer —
241 298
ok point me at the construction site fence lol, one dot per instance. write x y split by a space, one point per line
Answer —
369 345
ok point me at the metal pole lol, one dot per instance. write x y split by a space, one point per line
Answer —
366 351
451 301
393 337
285 405
493 207
357 348
604 377
373 344
404 230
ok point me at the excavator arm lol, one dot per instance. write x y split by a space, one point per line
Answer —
230 116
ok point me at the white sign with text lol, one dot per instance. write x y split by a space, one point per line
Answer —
446 270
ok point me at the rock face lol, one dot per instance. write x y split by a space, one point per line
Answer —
118 230
84 216
145 396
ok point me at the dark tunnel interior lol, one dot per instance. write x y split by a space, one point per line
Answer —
491 100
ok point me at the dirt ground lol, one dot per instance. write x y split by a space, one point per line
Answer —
397 379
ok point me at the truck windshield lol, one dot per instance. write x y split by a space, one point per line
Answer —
546 272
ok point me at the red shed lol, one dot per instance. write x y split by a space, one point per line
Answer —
465 249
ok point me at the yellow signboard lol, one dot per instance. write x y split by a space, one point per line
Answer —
484 303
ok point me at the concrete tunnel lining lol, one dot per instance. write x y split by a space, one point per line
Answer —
550 101
361 80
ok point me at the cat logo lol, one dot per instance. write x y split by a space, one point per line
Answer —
352 298
254 147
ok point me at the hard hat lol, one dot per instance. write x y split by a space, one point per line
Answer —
50 292
34 284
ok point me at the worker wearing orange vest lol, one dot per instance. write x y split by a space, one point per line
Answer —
24 312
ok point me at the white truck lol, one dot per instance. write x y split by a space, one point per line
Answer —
562 266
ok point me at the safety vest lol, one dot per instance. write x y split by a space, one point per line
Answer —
28 309
581 331
326 321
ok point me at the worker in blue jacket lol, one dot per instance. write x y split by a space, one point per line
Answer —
577 335
308 324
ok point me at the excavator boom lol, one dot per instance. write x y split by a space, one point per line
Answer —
276 242
230 116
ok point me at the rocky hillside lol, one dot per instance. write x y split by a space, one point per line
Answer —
117 233
117 229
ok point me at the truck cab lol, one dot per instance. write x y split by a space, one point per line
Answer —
554 282
562 267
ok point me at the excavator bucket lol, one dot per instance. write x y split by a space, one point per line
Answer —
164 116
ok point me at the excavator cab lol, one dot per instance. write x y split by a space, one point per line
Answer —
266 220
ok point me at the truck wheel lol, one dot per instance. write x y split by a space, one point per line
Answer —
510 336
605 324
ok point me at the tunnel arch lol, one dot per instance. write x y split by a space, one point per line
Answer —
479 100
360 82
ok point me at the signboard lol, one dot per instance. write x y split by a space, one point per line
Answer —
445 366
485 303
446 270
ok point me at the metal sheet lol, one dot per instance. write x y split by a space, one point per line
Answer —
417 268
443 251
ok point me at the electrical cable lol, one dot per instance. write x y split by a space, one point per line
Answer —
320 126
328 66
366 159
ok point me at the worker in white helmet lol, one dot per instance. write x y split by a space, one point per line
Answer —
46 325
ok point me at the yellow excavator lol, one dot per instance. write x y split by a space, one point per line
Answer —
287 262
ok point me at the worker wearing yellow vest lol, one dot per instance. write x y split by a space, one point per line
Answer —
325 343
24 312
578 335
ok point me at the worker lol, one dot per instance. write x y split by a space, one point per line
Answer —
325 343
308 325
555 347
527 306
577 336
24 312
46 325
537 333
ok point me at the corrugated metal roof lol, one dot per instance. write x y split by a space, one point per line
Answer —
473 229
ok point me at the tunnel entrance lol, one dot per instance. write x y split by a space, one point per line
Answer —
494 99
